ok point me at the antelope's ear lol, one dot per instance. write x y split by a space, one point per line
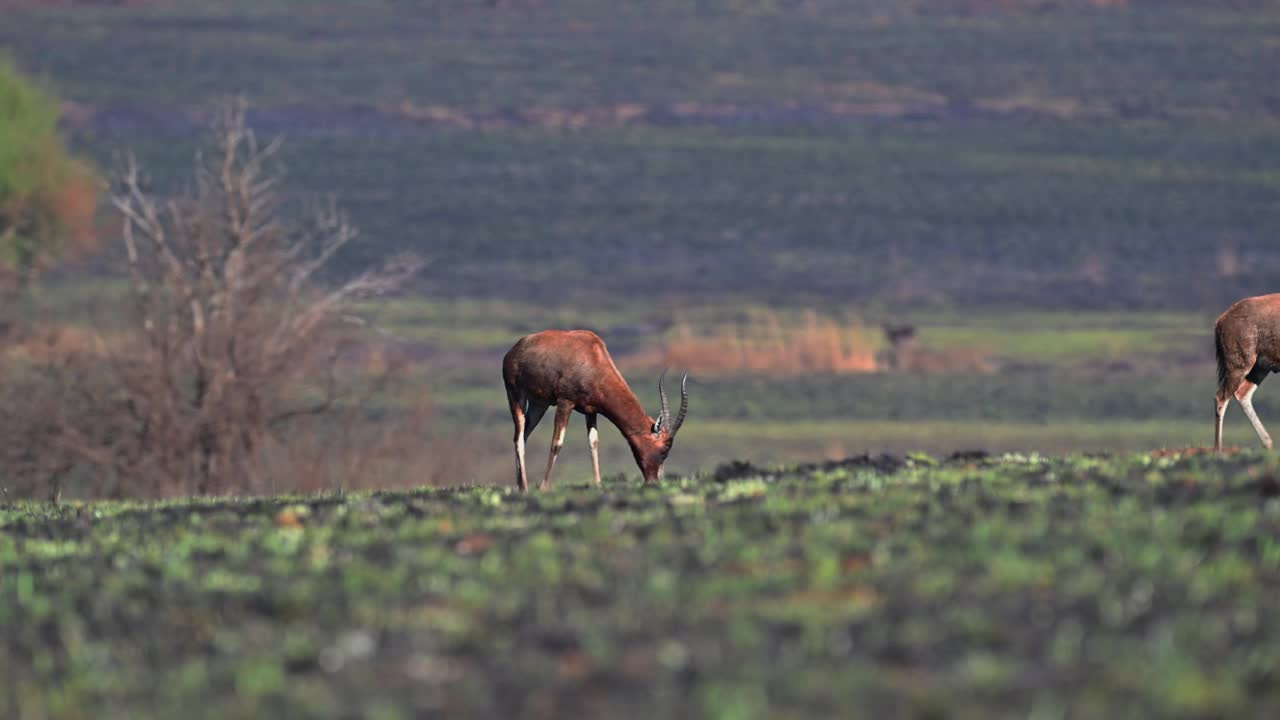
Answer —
657 426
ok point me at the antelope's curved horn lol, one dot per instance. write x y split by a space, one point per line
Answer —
684 405
664 415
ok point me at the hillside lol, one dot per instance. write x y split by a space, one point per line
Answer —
1071 155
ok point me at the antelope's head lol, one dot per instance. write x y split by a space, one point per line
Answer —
652 451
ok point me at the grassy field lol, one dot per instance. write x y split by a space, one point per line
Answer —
489 459
1016 586
1072 382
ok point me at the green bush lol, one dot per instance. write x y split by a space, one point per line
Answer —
47 197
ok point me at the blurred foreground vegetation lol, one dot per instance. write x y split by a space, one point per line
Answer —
1015 586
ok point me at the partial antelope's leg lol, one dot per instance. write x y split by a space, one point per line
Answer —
1235 360
525 414
518 419
532 417
1220 410
1231 379
1244 394
593 439
563 409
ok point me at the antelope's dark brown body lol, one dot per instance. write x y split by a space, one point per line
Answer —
1247 345
571 365
572 370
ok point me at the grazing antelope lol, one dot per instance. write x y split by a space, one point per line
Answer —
572 370
1247 340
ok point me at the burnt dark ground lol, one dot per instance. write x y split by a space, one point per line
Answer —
971 586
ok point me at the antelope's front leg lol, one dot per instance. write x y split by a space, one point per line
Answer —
593 439
563 410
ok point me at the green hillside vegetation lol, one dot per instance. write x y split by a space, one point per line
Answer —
917 214
1148 60
1053 154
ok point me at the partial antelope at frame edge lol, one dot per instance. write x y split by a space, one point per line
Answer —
1247 343
572 370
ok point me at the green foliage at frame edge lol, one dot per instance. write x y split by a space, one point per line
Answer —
48 198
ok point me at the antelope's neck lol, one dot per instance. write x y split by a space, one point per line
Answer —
626 413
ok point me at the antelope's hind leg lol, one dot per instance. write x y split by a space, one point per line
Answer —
1231 380
1244 395
532 417
518 419
563 410
1219 411
525 416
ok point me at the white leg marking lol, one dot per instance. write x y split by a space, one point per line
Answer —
1220 409
520 472
1246 403
593 441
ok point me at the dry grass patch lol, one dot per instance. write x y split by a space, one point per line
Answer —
768 342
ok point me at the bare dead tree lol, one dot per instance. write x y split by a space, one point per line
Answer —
232 335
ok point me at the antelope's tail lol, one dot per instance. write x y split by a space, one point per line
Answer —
1220 352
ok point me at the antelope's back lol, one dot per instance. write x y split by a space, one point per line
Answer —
1256 312
1250 328
559 364
1257 308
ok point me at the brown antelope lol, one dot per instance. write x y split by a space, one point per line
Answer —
572 370
1247 341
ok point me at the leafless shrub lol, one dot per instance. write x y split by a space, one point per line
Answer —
346 450
232 341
